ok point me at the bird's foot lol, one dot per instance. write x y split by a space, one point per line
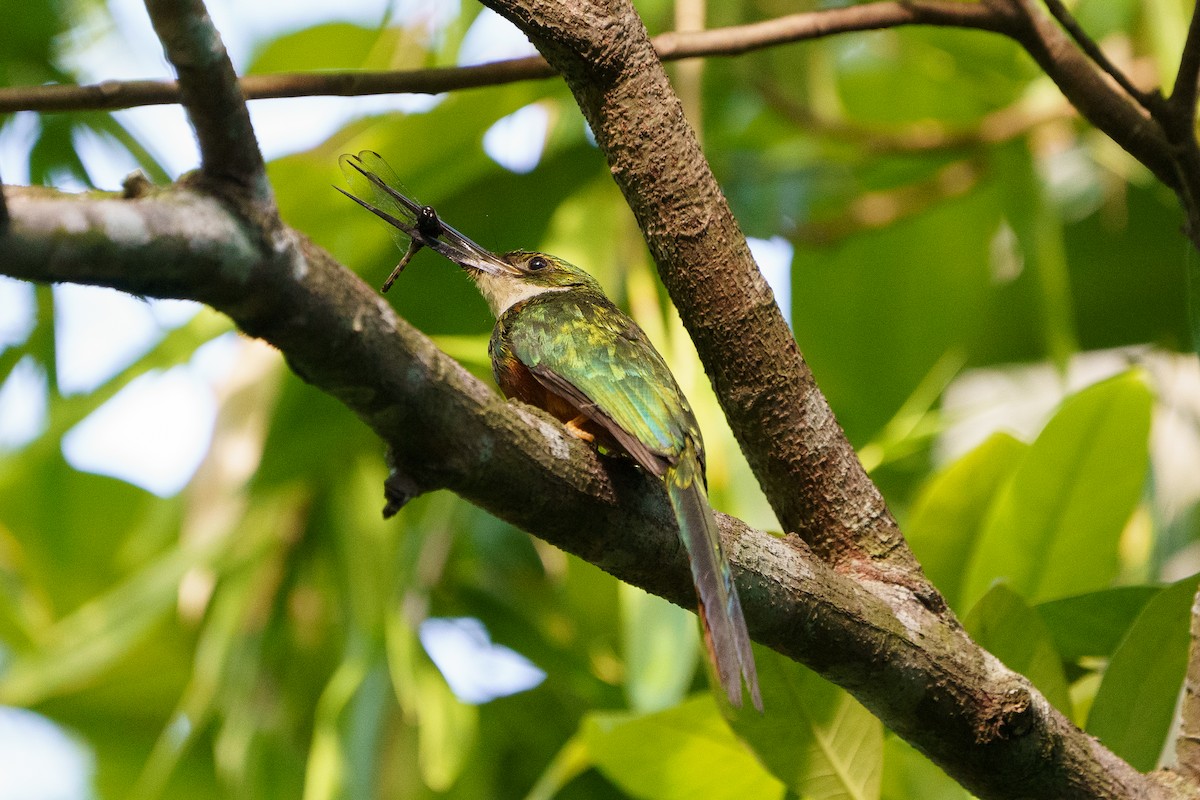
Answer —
573 428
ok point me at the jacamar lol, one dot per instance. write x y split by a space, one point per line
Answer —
560 344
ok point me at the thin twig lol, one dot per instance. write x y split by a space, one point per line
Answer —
208 89
1104 105
672 46
131 94
1089 46
1183 96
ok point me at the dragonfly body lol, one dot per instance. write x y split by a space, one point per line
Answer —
562 345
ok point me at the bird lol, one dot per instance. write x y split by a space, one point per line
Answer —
560 344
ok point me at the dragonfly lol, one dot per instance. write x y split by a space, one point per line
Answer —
413 225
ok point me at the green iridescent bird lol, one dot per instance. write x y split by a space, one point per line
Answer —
561 345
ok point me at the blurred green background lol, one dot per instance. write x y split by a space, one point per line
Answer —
991 294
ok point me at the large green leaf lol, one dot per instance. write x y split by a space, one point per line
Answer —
1135 706
908 775
338 46
684 752
872 331
949 513
1093 624
814 736
1054 529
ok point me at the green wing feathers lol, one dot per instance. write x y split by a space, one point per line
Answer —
725 632
582 349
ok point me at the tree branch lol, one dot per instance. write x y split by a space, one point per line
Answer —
208 89
1090 91
1093 51
672 46
1187 746
1177 115
916 669
1183 96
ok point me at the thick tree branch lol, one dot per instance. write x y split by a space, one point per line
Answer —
914 668
208 89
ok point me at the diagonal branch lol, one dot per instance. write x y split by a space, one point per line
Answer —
916 669
1093 51
1183 96
209 92
1090 91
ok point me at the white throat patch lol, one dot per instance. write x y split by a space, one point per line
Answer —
502 292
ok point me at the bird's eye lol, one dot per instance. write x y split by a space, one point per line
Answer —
538 262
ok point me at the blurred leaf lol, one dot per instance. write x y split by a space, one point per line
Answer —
684 752
1135 706
872 332
1094 624
447 733
1129 271
338 46
660 645
1101 18
1039 247
813 736
1009 629
908 775
447 728
567 764
948 515
103 630
346 732
1053 531
954 76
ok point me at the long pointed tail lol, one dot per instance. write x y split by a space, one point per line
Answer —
725 632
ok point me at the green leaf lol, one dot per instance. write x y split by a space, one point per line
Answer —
1135 705
1054 529
870 330
448 730
1094 624
338 46
1039 247
660 642
814 736
684 752
908 775
87 642
1004 625
949 513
